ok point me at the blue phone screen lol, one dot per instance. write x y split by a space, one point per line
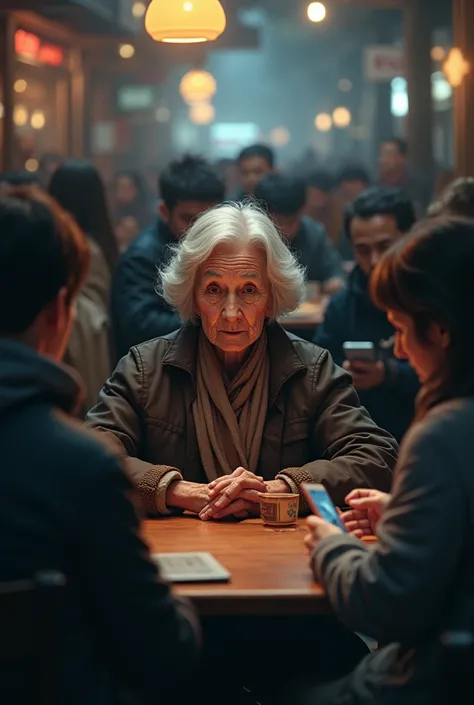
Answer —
326 508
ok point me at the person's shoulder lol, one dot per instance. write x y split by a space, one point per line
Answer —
146 244
310 353
312 230
447 425
152 350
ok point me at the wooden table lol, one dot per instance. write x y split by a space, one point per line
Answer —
308 316
269 567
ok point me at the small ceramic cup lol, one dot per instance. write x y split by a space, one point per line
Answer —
279 509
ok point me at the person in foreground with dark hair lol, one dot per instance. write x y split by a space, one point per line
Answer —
284 198
78 187
64 500
253 163
417 582
187 187
387 387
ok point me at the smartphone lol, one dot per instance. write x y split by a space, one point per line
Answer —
321 504
359 351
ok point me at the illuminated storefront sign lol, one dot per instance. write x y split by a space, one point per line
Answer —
29 46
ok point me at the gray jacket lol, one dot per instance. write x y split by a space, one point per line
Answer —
419 580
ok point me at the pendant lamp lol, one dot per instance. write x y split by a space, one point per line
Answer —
185 21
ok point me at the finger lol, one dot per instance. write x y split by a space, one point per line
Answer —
346 365
235 489
358 526
357 494
354 515
234 507
308 542
217 486
364 503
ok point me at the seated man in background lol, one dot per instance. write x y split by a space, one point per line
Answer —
321 204
284 198
63 496
187 187
387 387
253 163
351 181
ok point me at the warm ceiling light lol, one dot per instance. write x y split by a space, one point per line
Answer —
20 85
280 136
342 117
38 120
20 116
138 9
32 164
185 21
323 122
126 51
202 113
316 12
438 53
197 86
456 67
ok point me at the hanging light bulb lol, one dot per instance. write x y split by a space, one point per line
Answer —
185 21
202 113
342 117
323 122
197 86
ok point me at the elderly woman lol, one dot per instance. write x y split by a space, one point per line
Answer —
231 405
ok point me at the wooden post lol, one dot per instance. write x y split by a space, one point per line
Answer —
7 63
464 95
418 30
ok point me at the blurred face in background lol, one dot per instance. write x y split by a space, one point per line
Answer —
349 190
252 170
371 238
180 218
125 191
391 160
288 225
316 200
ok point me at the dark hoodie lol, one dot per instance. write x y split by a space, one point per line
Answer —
64 506
351 316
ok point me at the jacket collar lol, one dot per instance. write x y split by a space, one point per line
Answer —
285 362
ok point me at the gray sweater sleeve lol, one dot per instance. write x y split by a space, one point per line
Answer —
396 590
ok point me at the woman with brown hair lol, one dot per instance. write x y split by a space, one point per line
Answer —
418 581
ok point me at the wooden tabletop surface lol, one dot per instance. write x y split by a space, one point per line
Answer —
309 315
269 567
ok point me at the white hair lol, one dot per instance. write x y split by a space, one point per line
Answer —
231 224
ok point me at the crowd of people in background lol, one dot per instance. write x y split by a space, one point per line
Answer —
136 292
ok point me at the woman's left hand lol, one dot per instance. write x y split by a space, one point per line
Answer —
319 529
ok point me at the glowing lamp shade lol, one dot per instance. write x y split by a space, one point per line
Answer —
323 122
197 86
185 21
342 117
202 113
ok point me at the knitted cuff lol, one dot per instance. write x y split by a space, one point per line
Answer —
297 476
148 485
160 499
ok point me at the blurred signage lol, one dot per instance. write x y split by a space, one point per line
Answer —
135 98
383 63
29 46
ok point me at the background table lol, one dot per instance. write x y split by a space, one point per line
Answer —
269 567
306 319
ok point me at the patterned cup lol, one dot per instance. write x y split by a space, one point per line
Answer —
279 509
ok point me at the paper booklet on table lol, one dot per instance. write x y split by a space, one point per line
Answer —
190 567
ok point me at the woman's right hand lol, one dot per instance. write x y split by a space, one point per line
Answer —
191 496
367 507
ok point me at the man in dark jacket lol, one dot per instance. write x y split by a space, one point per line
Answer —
63 496
284 198
187 188
387 387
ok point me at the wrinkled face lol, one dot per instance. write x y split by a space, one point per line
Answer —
371 238
425 356
183 214
391 159
125 191
252 170
232 297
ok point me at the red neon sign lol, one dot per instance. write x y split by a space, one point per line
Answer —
30 46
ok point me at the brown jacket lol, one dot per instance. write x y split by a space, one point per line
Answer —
315 430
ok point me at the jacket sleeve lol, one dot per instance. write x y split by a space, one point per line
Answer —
151 638
398 589
139 314
354 451
330 334
118 415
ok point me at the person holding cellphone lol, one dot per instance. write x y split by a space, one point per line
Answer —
418 580
387 387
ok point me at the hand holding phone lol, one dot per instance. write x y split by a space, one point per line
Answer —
356 351
321 504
